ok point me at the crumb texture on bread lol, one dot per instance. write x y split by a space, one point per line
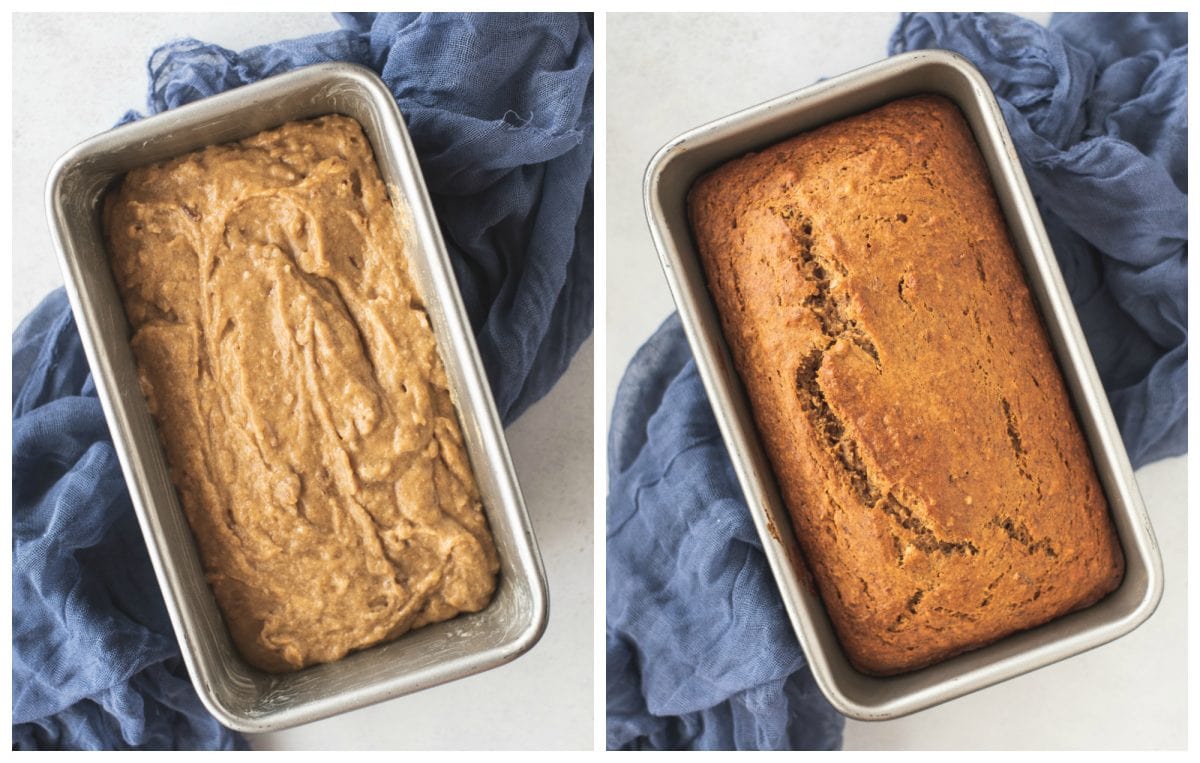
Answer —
904 386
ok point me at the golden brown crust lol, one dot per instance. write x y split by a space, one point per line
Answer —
290 367
904 386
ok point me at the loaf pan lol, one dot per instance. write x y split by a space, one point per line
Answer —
668 179
239 696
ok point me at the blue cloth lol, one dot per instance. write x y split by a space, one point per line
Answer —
699 651
95 663
500 111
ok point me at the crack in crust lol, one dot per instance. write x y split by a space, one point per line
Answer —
924 538
831 430
1017 531
829 310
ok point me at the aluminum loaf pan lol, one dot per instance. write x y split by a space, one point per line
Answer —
238 695
668 179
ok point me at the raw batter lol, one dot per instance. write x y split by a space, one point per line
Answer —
290 367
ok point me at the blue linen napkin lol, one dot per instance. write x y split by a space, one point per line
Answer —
699 651
499 107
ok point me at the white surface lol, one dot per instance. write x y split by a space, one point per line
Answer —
74 76
670 73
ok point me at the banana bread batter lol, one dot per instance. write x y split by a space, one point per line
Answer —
290 366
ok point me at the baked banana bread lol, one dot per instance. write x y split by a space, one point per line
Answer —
903 385
289 365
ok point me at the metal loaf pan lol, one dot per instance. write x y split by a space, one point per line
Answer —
240 696
671 174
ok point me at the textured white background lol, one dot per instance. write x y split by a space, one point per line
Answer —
670 73
74 76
